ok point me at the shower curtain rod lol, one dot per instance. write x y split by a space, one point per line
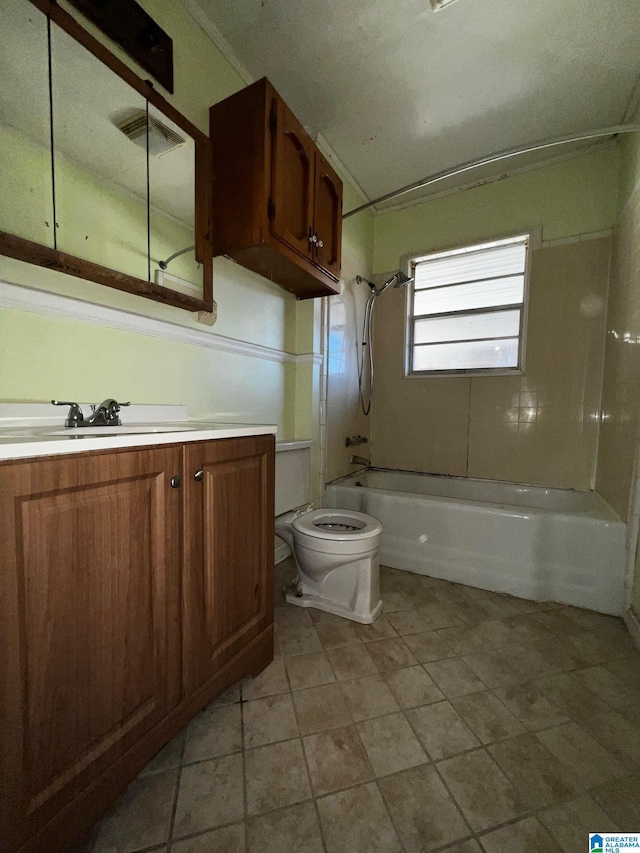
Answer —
494 158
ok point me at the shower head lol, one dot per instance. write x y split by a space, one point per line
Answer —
398 279
402 279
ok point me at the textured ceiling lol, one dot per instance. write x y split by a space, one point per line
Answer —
400 91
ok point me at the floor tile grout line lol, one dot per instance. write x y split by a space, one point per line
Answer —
197 833
432 763
176 792
474 833
390 815
245 807
152 848
531 811
308 769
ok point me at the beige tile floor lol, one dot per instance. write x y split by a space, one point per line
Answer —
461 720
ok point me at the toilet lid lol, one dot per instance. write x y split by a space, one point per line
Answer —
338 524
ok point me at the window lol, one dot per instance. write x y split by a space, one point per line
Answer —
466 309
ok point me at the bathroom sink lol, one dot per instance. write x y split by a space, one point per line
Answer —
120 430
93 432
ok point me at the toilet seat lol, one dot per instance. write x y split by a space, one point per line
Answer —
337 525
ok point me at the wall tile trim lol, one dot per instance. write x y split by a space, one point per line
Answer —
66 307
577 238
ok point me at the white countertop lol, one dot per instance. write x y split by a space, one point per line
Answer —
35 429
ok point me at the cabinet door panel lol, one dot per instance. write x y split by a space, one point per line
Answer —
90 583
228 590
327 212
292 181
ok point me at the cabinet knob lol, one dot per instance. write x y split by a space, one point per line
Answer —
313 238
199 476
176 482
320 244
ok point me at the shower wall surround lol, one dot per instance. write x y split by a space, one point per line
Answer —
540 427
619 449
621 386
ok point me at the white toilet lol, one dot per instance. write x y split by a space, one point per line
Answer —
335 550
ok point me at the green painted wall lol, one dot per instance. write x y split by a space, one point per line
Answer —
358 231
574 196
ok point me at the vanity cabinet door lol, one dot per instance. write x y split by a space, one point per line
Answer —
229 546
89 634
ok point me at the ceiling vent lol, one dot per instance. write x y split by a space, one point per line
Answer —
440 4
162 139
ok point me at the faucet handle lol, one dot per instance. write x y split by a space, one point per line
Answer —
74 416
111 407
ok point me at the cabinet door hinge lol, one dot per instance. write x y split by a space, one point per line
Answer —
273 120
271 209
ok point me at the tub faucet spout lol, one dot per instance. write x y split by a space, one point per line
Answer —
359 460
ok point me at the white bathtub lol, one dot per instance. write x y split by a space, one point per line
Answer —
536 543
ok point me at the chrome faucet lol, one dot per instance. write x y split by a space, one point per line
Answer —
106 414
359 460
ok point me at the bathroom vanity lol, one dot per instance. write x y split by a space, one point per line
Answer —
136 585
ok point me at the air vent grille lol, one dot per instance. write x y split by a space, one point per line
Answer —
440 4
162 139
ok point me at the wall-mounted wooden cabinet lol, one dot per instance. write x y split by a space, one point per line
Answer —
278 202
130 599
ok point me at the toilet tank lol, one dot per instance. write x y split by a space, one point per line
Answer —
293 482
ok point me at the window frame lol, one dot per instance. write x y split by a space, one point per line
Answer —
409 263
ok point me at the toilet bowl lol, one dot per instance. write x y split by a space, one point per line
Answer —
336 553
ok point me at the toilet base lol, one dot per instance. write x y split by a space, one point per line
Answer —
319 603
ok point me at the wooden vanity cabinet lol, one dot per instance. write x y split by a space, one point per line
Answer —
131 595
278 202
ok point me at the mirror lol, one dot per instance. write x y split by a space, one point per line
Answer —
172 207
84 137
26 189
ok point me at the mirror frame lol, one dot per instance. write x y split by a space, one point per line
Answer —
44 256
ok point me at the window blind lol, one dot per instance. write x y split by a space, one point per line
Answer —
466 308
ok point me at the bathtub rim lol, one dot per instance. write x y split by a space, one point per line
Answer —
601 512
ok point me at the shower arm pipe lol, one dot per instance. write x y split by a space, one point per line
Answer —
495 158
164 264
